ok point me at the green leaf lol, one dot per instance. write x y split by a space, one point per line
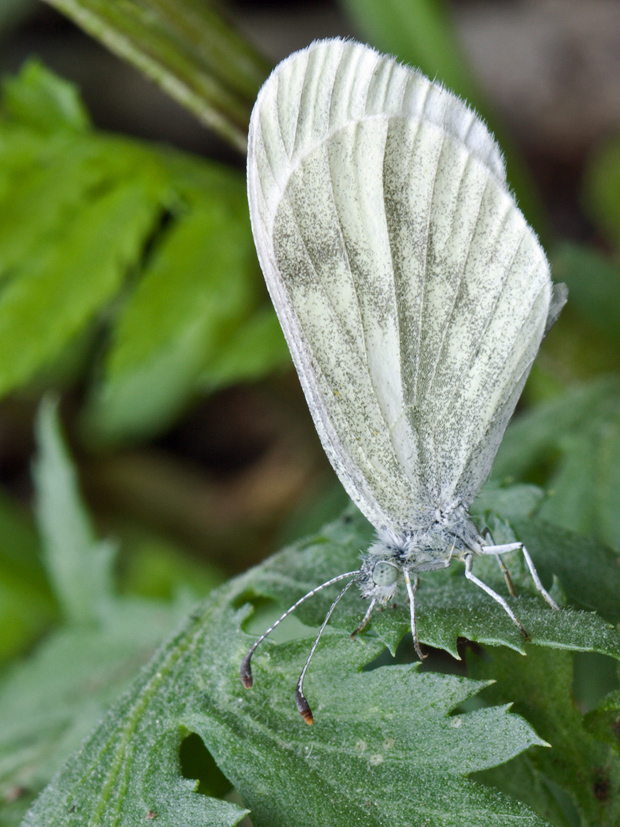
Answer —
43 194
257 348
78 210
385 751
521 779
200 283
58 181
533 437
604 721
572 444
155 568
586 483
188 49
49 703
79 566
42 309
586 769
511 502
385 747
39 99
587 570
383 763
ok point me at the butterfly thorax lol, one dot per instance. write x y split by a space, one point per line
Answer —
450 535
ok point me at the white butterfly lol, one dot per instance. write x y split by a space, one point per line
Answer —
412 294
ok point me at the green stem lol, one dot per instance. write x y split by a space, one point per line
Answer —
187 49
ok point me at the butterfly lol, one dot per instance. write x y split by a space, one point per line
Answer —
413 296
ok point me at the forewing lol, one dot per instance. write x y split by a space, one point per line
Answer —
412 294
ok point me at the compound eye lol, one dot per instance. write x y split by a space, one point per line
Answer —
384 574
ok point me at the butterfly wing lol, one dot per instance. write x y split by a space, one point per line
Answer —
410 289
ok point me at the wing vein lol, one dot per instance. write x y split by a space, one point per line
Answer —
512 385
435 481
461 277
500 407
488 320
368 365
421 314
347 257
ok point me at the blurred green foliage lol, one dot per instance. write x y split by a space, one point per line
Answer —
128 270
129 263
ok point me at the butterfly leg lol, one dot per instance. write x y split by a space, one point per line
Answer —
511 589
507 577
365 619
503 549
536 579
411 590
493 594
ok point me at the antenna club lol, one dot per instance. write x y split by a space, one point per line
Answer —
303 707
245 672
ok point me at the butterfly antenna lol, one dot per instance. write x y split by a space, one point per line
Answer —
300 699
245 672
411 590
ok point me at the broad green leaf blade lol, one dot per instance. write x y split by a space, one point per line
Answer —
44 194
257 348
128 771
521 779
511 502
50 702
586 482
79 566
155 567
43 308
39 99
200 284
187 48
532 437
575 441
78 211
384 750
584 767
587 570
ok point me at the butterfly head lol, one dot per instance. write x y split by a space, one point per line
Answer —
380 573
